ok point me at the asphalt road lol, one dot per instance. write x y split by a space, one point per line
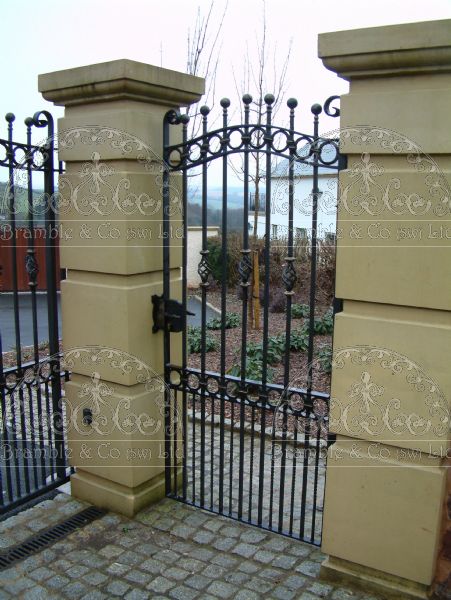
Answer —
7 326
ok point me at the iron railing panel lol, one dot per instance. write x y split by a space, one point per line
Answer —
252 450
33 446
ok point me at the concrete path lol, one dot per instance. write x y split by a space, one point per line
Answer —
194 305
168 551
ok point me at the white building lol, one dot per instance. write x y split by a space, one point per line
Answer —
302 205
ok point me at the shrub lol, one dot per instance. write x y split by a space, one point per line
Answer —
194 338
299 340
214 257
277 254
325 324
278 303
216 262
254 369
298 311
276 349
324 355
326 269
231 320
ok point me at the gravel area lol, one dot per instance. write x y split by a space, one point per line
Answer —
277 324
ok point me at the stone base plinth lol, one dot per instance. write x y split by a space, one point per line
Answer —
105 493
344 572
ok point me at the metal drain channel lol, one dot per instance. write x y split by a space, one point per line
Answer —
48 536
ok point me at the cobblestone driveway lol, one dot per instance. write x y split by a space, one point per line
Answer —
168 551
292 478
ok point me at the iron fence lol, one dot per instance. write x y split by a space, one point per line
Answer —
33 455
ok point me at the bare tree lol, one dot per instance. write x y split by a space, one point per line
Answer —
203 53
261 74
255 81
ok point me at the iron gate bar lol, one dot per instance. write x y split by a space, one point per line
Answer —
195 384
184 304
12 218
177 372
244 269
170 117
32 270
205 111
289 279
225 103
269 99
45 119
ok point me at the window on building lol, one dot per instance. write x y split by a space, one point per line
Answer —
274 231
301 233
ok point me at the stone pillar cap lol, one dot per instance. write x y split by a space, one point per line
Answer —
120 80
410 48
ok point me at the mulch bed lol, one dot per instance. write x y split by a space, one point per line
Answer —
27 354
277 324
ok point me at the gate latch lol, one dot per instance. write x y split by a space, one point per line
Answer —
169 312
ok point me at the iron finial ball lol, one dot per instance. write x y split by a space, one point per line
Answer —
269 99
225 103
247 99
184 119
10 117
204 110
292 103
316 109
29 121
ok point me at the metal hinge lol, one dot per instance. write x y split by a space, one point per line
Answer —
168 314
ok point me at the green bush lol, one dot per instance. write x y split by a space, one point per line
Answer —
299 340
194 338
324 355
214 258
217 264
275 351
254 369
300 310
325 324
231 320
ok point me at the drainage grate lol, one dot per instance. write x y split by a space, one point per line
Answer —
44 538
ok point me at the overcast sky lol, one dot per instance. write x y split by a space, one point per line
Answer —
44 36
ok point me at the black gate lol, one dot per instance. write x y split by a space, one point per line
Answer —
247 428
32 459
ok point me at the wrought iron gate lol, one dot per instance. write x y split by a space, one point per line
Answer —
240 441
32 445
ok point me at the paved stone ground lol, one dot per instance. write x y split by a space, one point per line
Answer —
169 551
292 478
